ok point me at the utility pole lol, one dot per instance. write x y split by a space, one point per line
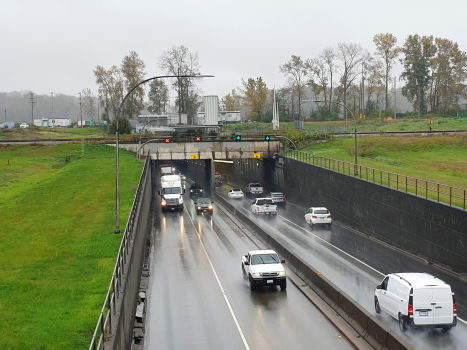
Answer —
80 110
179 99
53 119
32 106
395 104
5 115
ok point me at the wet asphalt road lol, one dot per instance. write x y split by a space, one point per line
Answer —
196 258
358 278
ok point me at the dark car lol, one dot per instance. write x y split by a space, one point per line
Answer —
196 190
204 205
218 182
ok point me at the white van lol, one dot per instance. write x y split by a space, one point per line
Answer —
417 300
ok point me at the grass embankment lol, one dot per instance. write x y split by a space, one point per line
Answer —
369 125
35 133
441 159
57 247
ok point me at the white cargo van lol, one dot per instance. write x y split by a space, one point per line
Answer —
417 300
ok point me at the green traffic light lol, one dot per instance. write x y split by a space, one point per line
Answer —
239 137
267 138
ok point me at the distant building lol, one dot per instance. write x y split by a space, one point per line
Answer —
168 119
223 117
52 122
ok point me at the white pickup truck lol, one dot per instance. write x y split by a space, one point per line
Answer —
254 189
264 206
264 268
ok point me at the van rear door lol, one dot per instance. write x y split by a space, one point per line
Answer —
443 306
423 310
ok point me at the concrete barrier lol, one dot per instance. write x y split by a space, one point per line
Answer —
373 331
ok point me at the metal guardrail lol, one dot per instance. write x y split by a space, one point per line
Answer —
104 324
453 196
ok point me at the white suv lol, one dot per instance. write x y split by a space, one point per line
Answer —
318 215
24 126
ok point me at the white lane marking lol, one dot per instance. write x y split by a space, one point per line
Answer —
361 262
460 319
220 285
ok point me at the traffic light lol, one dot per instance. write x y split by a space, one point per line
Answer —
167 140
267 137
238 137
198 138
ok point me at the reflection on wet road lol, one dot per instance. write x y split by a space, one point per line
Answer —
356 264
187 308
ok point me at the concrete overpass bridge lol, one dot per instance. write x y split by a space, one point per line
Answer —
158 149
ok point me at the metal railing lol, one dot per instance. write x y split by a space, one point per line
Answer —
104 324
453 196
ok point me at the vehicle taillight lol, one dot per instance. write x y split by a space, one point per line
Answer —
314 217
454 307
257 208
286 200
262 188
410 308
410 311
329 217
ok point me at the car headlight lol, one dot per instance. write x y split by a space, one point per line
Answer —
198 207
180 200
191 190
201 190
256 274
163 203
282 273
210 207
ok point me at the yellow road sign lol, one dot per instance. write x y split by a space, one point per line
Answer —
194 156
256 155
431 121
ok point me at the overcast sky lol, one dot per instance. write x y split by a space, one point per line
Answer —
54 45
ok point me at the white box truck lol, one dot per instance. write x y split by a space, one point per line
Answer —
171 192
417 300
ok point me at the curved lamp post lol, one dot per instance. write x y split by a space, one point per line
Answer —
355 122
117 223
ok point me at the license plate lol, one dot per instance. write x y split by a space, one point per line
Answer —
270 281
267 213
423 313
205 210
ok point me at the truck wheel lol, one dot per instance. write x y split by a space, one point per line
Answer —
377 307
402 324
252 286
284 286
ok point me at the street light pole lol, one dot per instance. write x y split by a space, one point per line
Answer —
355 122
117 219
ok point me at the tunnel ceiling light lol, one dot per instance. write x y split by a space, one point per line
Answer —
223 161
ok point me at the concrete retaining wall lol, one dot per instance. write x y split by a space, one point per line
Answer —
372 330
425 227
133 268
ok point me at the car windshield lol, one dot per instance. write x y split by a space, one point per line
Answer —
204 201
255 185
236 190
264 259
172 190
264 201
276 194
195 187
321 211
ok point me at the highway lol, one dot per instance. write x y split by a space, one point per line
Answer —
186 303
199 299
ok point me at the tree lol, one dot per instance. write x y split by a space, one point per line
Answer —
350 57
132 69
328 57
124 126
178 60
232 101
158 96
418 52
317 70
296 71
256 97
448 75
110 83
388 51
89 103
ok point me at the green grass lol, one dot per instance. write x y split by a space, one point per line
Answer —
441 159
369 125
57 247
34 133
